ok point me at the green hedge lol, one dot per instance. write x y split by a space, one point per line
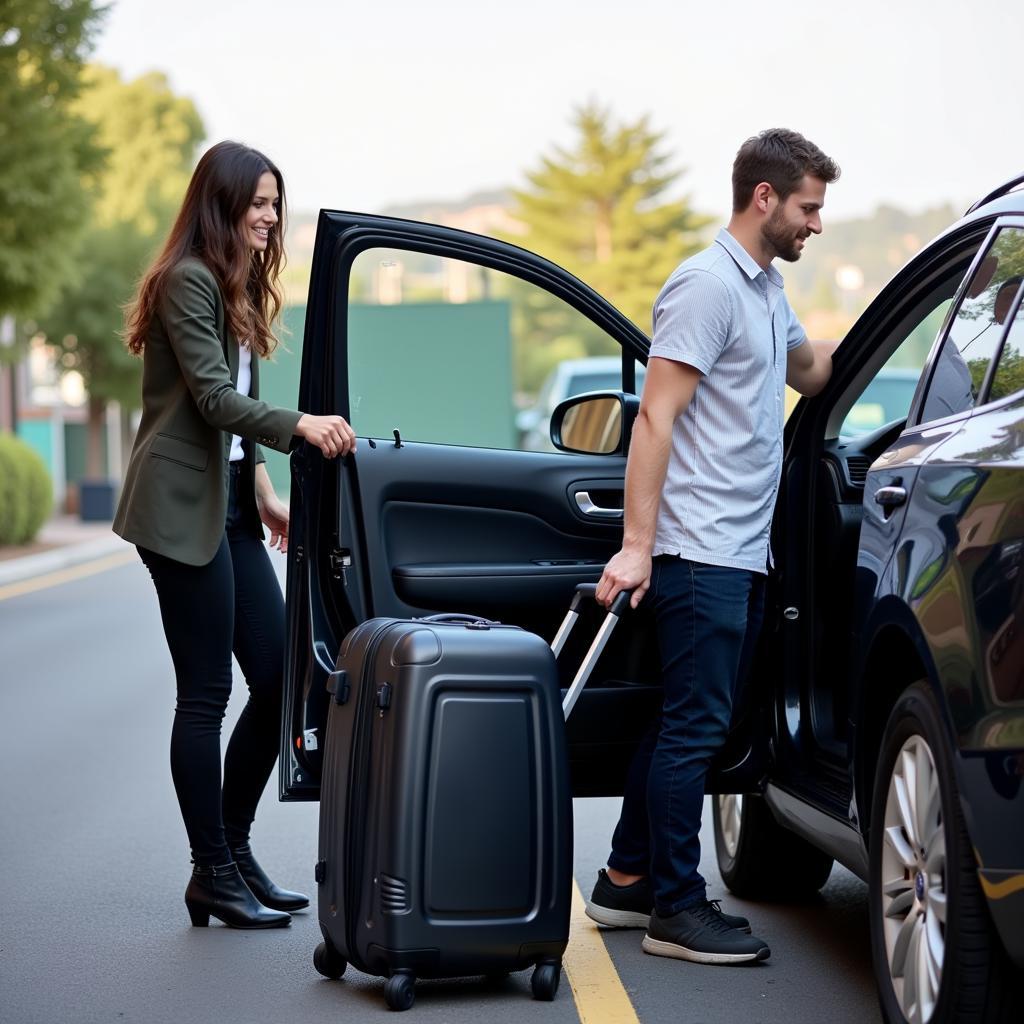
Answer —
26 494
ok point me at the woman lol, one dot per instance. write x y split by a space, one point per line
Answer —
194 496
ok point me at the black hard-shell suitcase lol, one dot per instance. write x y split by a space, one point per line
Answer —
445 842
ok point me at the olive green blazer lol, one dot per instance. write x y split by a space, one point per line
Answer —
174 499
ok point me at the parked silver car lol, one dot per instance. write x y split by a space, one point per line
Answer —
569 378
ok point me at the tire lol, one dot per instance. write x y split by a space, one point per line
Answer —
328 961
758 859
544 983
936 956
400 991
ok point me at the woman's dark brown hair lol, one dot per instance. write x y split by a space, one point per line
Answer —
210 227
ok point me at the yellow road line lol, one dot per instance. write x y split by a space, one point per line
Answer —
596 986
77 572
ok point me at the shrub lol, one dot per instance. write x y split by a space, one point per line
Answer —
26 493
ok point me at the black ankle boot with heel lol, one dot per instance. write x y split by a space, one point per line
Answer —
221 892
269 894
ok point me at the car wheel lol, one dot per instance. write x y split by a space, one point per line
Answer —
758 858
936 956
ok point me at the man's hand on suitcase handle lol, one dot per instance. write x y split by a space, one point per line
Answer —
617 607
627 572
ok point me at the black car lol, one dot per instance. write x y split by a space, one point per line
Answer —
883 724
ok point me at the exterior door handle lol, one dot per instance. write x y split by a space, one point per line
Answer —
586 505
890 497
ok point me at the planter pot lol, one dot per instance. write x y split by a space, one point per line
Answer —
96 500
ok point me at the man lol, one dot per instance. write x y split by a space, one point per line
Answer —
701 481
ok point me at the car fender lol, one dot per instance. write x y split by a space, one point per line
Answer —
894 654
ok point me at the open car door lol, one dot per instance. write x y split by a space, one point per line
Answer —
425 338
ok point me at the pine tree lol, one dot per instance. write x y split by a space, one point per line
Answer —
602 210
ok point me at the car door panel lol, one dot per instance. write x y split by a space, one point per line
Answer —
500 534
406 527
479 530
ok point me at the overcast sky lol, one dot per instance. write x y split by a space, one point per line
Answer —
372 103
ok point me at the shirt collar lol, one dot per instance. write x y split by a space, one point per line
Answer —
744 260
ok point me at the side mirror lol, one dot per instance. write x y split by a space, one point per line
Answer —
600 423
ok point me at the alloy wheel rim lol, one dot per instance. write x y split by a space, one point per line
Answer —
730 815
913 890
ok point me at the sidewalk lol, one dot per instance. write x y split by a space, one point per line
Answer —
63 542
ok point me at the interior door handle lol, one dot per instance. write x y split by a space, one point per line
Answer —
890 497
586 505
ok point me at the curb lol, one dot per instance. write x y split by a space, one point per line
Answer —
17 569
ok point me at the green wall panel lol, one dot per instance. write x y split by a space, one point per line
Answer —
436 371
38 435
279 385
76 439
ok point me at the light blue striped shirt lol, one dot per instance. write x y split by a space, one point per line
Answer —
721 313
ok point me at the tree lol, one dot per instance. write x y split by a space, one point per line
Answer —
601 209
150 136
48 149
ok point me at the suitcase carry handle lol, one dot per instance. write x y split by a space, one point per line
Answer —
619 606
456 617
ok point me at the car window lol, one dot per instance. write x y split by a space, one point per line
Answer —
977 329
888 395
450 352
1009 376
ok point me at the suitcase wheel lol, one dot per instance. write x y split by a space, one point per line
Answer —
328 961
400 991
544 982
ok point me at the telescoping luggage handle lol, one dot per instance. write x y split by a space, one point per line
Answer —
619 605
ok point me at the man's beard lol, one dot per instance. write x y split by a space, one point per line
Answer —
781 238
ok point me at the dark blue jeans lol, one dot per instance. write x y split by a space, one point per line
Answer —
707 619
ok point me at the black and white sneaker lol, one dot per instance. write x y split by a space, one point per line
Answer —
701 934
620 906
631 906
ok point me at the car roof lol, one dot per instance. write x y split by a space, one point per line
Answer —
1009 188
1011 202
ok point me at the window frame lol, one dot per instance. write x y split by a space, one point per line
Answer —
1015 309
896 308
491 254
915 420
481 250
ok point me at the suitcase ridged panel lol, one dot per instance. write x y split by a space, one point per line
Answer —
394 895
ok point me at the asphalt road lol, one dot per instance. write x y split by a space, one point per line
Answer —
94 865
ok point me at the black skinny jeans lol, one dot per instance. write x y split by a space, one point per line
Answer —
232 604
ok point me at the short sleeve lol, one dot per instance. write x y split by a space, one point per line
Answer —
692 319
795 333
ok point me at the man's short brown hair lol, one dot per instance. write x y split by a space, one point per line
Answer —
780 157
